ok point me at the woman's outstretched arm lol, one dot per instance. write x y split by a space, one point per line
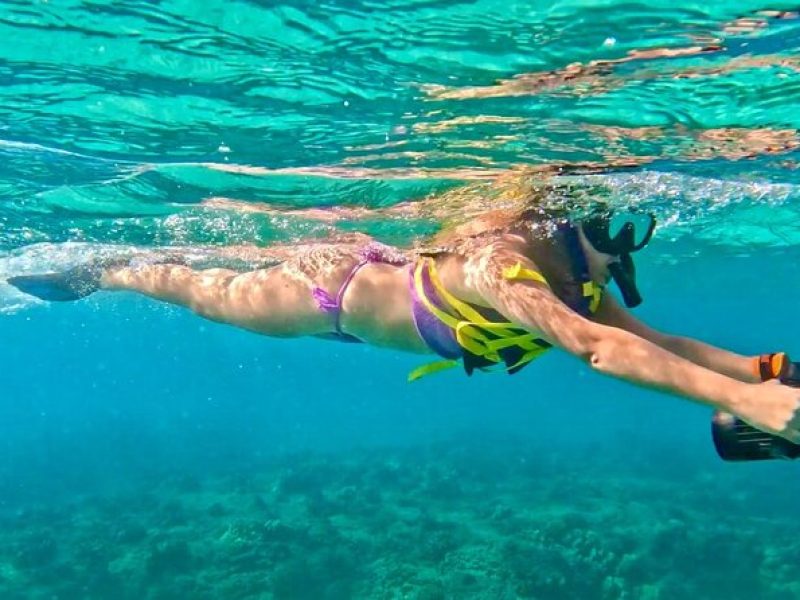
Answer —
614 351
700 353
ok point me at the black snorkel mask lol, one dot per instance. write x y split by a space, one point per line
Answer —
630 238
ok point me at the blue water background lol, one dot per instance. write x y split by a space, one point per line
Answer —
118 119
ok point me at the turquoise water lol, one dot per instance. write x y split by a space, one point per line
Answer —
149 454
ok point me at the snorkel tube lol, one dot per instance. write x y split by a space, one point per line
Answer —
598 231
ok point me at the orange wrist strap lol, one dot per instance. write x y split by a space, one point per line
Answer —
769 366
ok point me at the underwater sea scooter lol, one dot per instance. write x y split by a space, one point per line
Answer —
735 440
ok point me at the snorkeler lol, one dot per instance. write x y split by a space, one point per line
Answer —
496 293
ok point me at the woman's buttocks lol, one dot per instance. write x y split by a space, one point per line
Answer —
377 307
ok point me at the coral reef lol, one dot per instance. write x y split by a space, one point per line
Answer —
451 521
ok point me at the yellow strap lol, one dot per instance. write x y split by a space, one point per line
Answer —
524 341
472 339
520 273
430 368
419 287
469 314
468 329
466 334
593 291
464 309
469 324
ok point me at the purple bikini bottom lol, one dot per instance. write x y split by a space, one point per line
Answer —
439 337
332 305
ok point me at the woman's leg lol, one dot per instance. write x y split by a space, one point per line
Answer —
277 301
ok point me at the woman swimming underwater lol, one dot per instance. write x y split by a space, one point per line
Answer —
495 292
